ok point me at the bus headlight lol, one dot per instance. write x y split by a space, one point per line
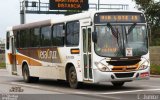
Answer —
102 67
144 65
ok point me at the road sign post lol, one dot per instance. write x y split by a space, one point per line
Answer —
23 13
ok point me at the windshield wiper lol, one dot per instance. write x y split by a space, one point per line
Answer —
131 28
113 31
116 35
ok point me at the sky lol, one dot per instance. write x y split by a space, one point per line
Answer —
10 16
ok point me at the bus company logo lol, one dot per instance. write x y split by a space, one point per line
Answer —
47 54
124 68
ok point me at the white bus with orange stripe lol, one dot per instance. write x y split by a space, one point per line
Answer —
90 47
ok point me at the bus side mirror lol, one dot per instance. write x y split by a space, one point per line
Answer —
94 37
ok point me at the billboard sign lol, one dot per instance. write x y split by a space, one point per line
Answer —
68 5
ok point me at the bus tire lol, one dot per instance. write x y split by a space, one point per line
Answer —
26 75
118 84
72 78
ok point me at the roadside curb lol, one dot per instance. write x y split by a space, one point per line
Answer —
156 76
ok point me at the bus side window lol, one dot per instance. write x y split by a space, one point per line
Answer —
35 37
72 36
24 38
17 34
58 35
45 36
7 40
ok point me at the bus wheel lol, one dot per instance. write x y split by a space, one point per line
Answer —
72 78
26 75
118 84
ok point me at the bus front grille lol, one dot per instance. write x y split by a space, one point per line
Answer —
124 75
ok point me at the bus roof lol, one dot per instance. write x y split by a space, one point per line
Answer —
73 17
31 25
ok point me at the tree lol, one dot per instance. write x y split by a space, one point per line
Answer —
152 12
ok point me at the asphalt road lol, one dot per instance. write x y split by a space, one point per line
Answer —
13 88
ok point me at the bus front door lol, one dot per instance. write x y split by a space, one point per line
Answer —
87 53
14 68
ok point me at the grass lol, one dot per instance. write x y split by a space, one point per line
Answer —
2 65
2 61
155 69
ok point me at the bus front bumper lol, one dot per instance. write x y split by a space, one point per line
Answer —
120 76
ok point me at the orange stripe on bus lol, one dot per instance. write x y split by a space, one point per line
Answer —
10 58
125 68
20 58
31 62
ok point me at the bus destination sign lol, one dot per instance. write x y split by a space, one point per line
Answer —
119 18
69 5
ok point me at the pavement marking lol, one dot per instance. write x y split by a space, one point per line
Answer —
6 75
109 97
81 92
1 92
149 86
120 92
25 85
99 96
38 87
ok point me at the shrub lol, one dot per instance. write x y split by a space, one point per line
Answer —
155 69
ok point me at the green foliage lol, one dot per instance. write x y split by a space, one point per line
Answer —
2 65
155 41
143 3
152 12
155 69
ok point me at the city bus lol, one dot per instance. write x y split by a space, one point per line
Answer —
89 47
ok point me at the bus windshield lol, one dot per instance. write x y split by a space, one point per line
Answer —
114 41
